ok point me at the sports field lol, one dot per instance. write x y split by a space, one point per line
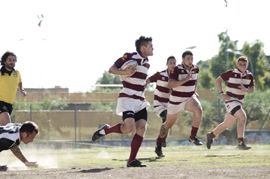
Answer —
179 162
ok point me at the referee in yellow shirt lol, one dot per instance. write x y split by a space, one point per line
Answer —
10 79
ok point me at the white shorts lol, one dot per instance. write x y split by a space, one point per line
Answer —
129 104
231 105
159 110
173 109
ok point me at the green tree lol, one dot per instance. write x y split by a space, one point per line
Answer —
205 81
218 64
108 78
257 56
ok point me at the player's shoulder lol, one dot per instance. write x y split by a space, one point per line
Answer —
129 55
196 66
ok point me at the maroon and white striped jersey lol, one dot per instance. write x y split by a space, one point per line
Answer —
162 92
185 91
131 97
234 78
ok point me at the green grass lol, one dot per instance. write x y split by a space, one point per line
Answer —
116 157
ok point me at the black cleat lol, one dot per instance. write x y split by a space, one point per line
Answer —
97 135
136 163
3 168
195 141
209 140
158 150
243 146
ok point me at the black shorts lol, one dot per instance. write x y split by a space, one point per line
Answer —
142 114
5 107
234 110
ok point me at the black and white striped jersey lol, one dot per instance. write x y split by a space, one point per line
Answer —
9 136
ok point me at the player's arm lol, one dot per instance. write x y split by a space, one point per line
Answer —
23 92
18 153
219 81
116 71
175 83
250 89
196 89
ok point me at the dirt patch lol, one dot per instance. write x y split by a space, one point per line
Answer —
152 171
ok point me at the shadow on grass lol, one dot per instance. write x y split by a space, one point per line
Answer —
222 155
150 159
94 170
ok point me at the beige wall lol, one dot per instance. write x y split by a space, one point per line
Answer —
207 95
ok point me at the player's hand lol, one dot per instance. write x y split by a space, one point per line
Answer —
130 70
31 164
23 93
225 97
189 75
197 95
242 87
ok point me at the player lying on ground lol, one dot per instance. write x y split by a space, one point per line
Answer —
12 134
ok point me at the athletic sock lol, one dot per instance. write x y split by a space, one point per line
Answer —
113 129
212 135
135 146
160 140
194 131
241 139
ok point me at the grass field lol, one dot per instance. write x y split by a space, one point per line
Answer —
179 162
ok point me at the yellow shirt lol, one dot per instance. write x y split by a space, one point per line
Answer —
9 85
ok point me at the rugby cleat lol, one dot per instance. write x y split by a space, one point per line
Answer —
195 141
136 163
97 134
209 140
158 150
3 168
243 146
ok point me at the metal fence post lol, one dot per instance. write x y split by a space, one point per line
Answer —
75 124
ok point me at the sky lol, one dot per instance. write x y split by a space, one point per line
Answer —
80 39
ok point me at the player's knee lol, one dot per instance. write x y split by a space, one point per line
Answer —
141 129
243 120
128 128
227 125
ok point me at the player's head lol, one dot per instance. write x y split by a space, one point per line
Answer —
144 46
187 59
171 62
28 131
9 59
242 63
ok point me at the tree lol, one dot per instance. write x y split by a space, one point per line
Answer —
218 64
257 56
108 78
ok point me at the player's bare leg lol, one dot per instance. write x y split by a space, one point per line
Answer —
136 144
194 106
241 116
4 118
171 118
227 123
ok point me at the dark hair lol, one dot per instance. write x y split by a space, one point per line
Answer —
142 41
242 58
5 56
187 53
170 57
29 127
